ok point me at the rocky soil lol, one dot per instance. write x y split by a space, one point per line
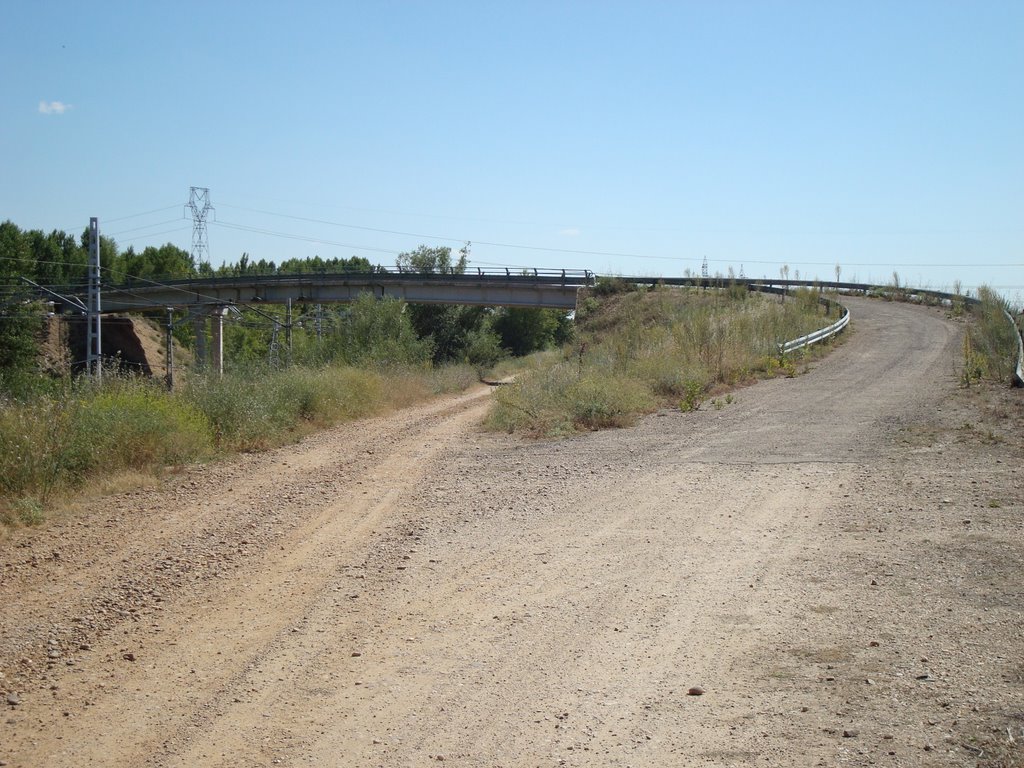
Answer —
827 571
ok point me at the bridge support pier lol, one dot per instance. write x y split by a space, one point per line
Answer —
199 329
209 354
217 341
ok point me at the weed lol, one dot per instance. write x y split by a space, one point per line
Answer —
29 511
693 395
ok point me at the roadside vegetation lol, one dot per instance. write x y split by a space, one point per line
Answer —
629 352
640 350
990 343
286 373
79 435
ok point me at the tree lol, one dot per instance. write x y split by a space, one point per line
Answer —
317 265
528 329
19 328
447 326
380 331
433 261
167 262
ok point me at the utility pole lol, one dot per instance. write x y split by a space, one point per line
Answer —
199 204
94 336
169 355
273 352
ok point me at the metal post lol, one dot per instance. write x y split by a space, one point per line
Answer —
169 354
94 339
288 333
273 357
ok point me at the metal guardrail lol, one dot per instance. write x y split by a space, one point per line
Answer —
819 335
1018 375
811 338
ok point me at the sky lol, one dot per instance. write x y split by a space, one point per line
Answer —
630 138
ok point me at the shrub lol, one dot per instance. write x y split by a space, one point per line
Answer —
134 426
990 344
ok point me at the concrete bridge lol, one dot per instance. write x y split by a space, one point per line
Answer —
207 300
555 289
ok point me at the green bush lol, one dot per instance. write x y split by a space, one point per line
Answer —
598 402
133 425
483 350
57 443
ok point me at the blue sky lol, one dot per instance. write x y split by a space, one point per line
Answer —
629 138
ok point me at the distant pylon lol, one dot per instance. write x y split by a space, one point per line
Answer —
704 268
199 204
742 276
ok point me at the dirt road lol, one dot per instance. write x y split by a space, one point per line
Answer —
835 559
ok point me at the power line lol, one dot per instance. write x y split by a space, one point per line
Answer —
130 216
146 226
438 237
350 226
137 215
288 236
546 249
155 234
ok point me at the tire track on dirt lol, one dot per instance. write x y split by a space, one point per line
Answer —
317 508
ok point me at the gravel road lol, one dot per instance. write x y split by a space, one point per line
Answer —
834 562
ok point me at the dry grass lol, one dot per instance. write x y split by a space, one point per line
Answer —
640 350
94 440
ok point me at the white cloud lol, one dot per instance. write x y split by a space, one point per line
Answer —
53 107
569 232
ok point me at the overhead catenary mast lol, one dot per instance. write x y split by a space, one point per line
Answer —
94 338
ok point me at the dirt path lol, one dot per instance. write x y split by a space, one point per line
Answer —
836 559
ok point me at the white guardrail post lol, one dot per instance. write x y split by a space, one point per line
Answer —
1018 375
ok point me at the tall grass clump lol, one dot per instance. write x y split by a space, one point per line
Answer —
61 439
640 350
990 344
132 424
258 408
57 443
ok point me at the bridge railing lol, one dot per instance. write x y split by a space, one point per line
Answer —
566 277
